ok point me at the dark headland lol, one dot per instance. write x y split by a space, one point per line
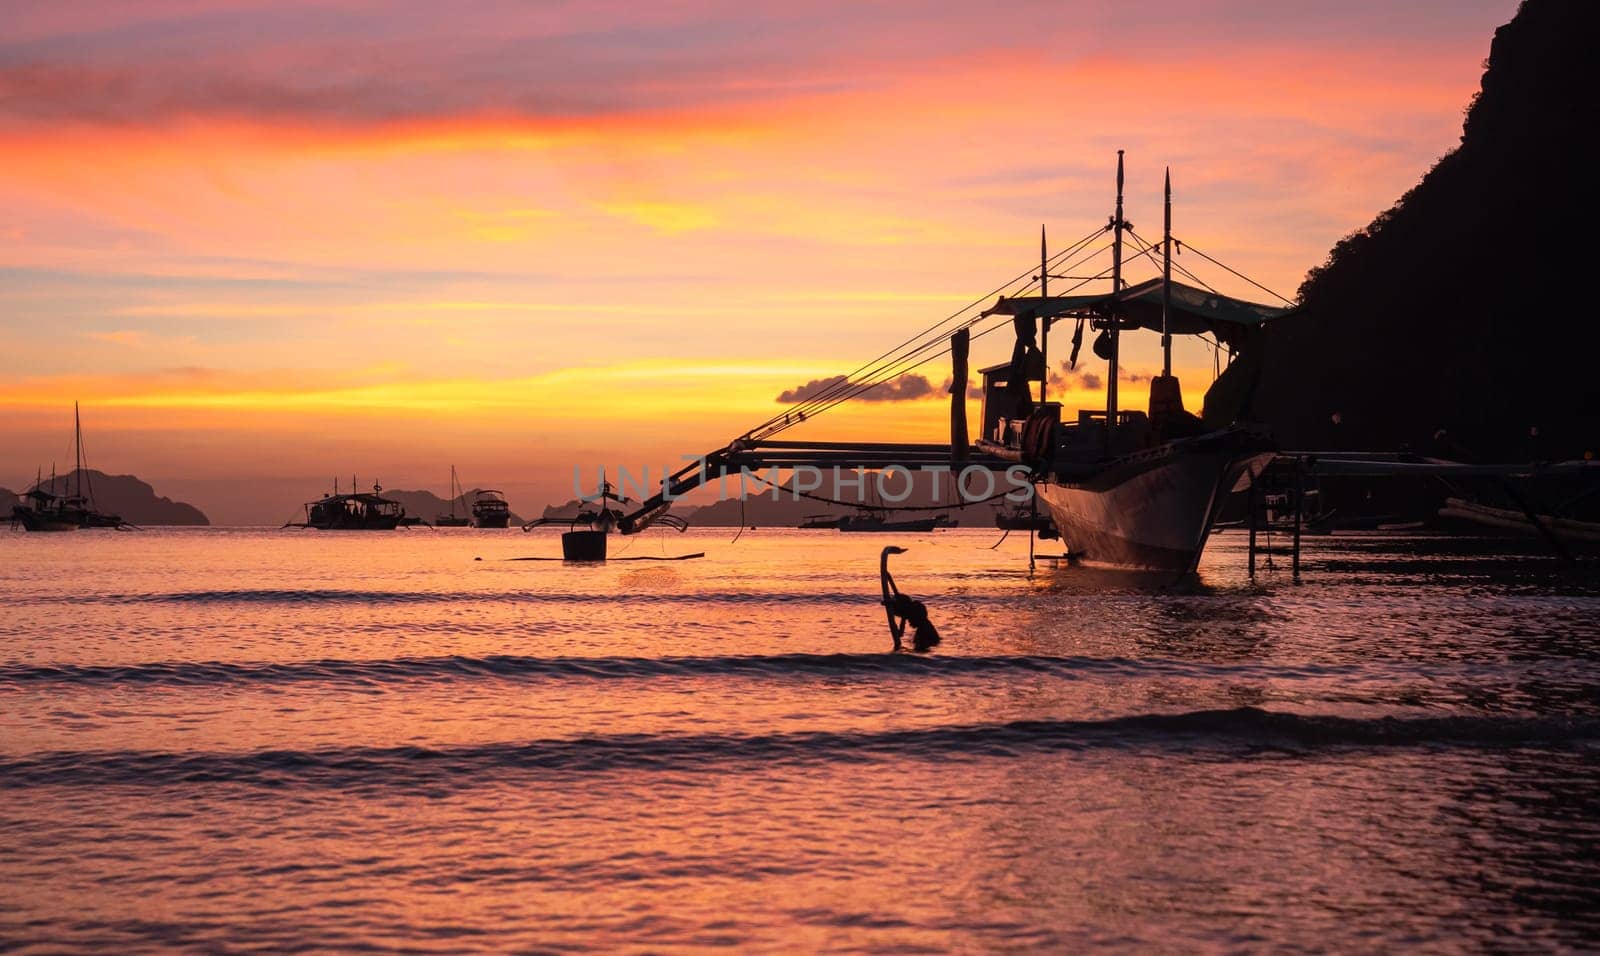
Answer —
1466 306
126 496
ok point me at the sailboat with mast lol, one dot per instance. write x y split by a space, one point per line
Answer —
48 510
453 520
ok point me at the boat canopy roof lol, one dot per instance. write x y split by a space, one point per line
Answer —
1194 311
365 497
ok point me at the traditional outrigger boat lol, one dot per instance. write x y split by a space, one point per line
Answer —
588 543
356 511
43 511
1124 488
1130 489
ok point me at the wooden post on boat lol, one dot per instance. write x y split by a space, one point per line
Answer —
1299 510
960 347
1113 319
1253 505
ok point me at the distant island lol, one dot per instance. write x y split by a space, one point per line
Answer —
135 501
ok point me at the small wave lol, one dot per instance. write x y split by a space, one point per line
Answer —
367 673
1227 731
324 596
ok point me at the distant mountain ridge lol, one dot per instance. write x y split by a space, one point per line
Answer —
126 496
1463 308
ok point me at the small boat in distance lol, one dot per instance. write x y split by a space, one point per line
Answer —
490 510
815 522
453 520
44 511
874 520
1022 519
49 511
357 511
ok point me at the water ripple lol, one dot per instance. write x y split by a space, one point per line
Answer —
402 670
1223 731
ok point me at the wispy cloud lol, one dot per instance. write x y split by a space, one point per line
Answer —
905 388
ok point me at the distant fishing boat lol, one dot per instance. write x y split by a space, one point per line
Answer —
820 522
47 511
1021 519
872 520
43 511
453 520
356 511
490 510
604 519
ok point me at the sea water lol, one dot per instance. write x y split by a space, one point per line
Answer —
280 740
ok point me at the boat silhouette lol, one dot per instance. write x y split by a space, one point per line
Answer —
43 510
453 520
354 511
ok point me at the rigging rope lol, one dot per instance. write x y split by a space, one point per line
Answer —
932 342
1287 301
880 369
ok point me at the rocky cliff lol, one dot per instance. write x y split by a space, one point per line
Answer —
128 497
1465 308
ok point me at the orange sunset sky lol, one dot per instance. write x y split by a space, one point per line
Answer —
267 243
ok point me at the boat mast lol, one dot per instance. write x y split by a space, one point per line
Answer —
77 448
1117 226
1044 333
1166 277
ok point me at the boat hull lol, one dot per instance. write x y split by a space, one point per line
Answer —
1153 511
493 521
34 521
900 527
387 523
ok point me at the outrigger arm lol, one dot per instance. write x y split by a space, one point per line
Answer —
750 455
